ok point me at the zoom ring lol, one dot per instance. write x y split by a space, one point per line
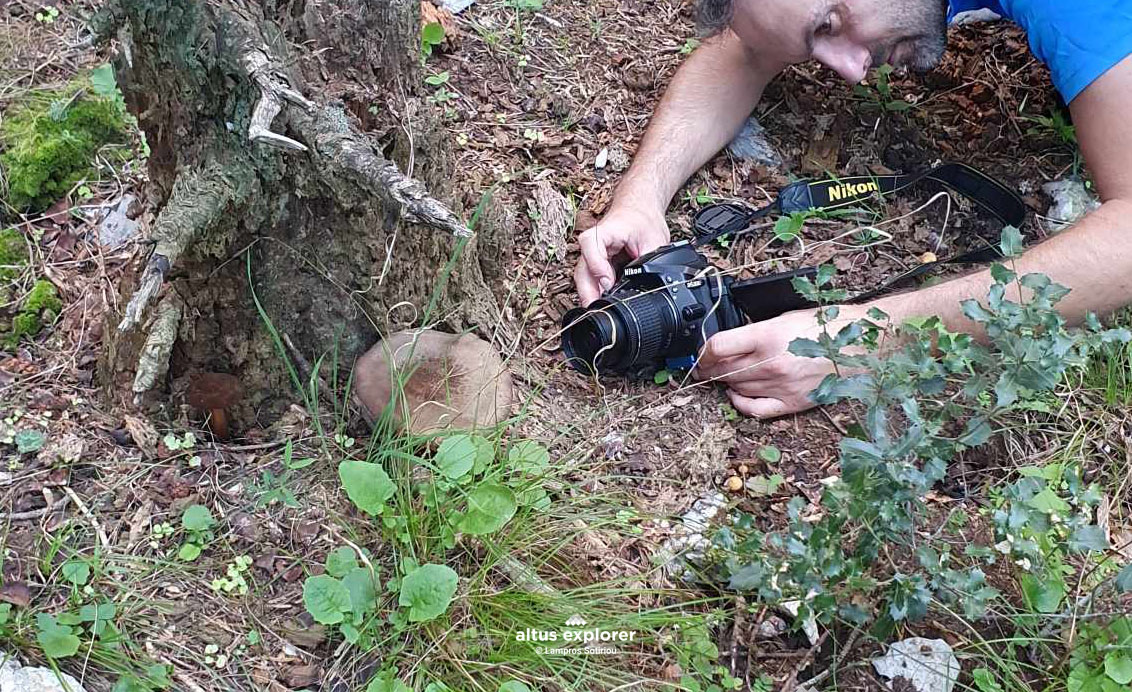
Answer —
647 312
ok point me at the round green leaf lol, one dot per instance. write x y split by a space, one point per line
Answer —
56 640
770 454
528 455
197 518
514 686
340 561
1118 667
427 591
367 485
432 32
490 506
363 591
456 456
326 599
76 571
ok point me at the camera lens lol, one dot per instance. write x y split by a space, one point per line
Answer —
619 334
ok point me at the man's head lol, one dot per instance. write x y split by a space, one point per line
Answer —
848 36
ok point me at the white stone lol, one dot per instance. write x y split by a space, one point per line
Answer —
14 678
928 664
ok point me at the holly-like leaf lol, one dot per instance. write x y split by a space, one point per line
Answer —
367 485
490 506
56 641
1047 501
340 561
1124 580
456 456
1011 244
1088 538
326 599
197 518
427 591
978 431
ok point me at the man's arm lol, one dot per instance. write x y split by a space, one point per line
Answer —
707 102
1094 259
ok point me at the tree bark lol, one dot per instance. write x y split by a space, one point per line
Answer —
292 169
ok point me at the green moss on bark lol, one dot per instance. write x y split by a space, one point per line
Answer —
49 142
13 254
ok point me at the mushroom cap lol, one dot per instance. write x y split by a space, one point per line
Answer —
214 390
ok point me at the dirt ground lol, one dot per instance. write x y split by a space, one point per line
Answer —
533 100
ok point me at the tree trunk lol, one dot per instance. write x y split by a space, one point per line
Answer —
279 130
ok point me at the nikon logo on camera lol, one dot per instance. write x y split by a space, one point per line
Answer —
633 270
850 190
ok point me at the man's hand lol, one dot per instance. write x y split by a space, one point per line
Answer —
764 380
624 234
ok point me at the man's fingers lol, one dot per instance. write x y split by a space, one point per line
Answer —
759 408
588 289
735 369
728 344
596 254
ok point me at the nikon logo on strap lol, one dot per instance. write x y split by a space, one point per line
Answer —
845 191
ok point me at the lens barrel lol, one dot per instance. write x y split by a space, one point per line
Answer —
620 333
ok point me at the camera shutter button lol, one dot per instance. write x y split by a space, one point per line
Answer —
693 312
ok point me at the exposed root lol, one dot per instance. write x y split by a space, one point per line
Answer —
272 95
198 202
153 362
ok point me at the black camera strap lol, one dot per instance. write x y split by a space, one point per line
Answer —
768 296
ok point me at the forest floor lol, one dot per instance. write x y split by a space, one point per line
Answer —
551 98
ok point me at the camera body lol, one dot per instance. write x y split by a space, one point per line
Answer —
664 307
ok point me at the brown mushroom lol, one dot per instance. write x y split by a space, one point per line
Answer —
215 392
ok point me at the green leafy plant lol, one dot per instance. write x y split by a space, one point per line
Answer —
432 35
922 393
882 97
1055 124
1102 659
197 523
427 590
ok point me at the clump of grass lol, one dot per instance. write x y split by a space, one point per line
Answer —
51 138
40 306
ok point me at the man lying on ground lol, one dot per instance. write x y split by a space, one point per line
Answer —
1088 48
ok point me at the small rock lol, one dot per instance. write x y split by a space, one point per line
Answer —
1071 201
928 664
454 382
116 227
602 159
771 627
751 144
612 445
14 678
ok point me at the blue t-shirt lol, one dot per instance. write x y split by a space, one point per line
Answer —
1078 41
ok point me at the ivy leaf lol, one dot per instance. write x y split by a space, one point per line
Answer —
197 518
427 591
1011 244
1124 580
528 455
977 432
76 571
1118 667
367 485
1047 501
1043 596
1088 538
326 599
340 561
490 506
56 641
456 456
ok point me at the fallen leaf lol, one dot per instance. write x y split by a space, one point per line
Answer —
16 593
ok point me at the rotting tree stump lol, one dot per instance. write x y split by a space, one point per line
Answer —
291 166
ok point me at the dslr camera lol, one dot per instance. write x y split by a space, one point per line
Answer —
663 308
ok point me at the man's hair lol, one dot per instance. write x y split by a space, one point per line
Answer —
713 16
